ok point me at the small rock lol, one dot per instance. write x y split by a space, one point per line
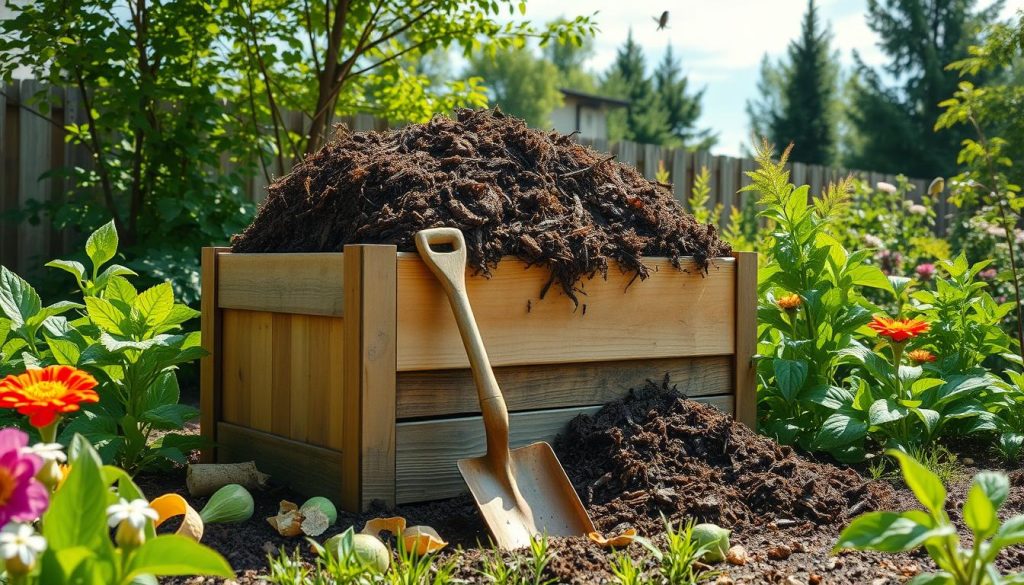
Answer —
779 553
880 581
835 562
737 555
791 580
967 461
797 546
269 548
910 570
814 579
724 580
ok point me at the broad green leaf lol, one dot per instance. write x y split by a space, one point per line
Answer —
886 411
77 513
929 417
1013 579
840 429
1010 533
119 289
74 267
103 280
790 376
871 276
832 397
169 416
995 485
53 310
18 300
888 532
102 245
171 555
959 385
979 513
105 315
65 351
155 304
925 484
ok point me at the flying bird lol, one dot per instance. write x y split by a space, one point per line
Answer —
663 21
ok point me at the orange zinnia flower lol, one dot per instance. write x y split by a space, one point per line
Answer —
921 356
898 330
789 302
45 394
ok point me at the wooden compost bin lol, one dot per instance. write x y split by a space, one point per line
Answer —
343 374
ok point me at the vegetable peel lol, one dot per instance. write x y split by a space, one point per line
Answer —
170 505
422 540
288 521
624 538
395 525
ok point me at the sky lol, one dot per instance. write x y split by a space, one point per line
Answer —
721 43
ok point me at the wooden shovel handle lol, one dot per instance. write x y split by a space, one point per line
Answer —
450 270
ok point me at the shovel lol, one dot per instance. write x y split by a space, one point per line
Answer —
521 492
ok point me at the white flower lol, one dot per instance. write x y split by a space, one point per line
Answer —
918 209
885 187
873 241
20 545
47 452
135 513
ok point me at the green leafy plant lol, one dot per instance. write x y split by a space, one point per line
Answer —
519 570
131 341
932 529
79 548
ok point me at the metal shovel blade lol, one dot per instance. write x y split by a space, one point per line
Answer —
539 499
521 492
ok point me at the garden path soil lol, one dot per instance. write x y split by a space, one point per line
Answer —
656 453
512 190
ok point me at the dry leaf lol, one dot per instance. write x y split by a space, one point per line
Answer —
421 540
171 505
395 525
615 541
737 555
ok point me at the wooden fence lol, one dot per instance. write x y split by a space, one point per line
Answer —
33 143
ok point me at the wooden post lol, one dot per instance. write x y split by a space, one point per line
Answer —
210 378
370 363
746 338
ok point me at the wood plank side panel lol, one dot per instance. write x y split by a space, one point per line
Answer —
449 392
307 283
309 470
746 338
261 367
368 430
671 314
210 378
427 451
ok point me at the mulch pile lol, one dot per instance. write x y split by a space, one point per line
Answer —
512 190
657 453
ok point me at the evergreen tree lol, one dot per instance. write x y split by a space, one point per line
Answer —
645 120
895 123
800 95
682 109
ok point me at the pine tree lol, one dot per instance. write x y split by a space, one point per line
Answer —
800 94
681 108
645 120
895 124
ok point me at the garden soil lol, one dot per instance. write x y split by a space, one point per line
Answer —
512 190
653 454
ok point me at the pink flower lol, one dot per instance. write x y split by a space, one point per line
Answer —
925 271
22 497
989 274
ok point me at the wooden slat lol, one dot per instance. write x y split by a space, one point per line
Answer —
368 429
671 314
746 338
35 148
309 470
281 401
309 284
261 367
428 450
210 372
298 356
450 392
236 352
317 414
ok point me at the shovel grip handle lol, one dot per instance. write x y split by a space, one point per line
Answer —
450 269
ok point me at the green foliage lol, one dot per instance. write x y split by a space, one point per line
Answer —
519 83
79 547
824 383
131 341
799 96
699 197
894 123
151 118
933 530
646 119
682 109
516 569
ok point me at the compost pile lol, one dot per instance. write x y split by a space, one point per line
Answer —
512 190
656 452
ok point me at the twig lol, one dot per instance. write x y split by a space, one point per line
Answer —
588 168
